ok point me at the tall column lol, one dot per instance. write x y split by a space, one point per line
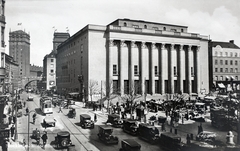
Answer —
162 68
197 74
151 68
141 47
130 68
181 67
171 80
111 43
120 69
189 70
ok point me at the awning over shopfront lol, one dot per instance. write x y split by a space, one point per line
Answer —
232 77
220 85
227 77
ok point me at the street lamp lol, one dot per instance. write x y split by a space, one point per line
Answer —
29 126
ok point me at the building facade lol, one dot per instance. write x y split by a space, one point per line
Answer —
35 72
19 49
2 46
159 58
49 61
225 62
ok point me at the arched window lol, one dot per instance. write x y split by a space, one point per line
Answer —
216 53
164 28
145 26
125 24
182 30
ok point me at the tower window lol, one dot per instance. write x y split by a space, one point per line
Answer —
114 69
135 70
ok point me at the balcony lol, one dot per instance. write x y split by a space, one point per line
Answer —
2 72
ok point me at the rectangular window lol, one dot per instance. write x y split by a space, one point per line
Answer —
236 70
231 62
221 62
115 69
81 48
226 62
192 71
216 62
231 70
231 54
236 77
135 70
156 70
221 69
51 60
221 54
236 54
216 69
216 78
226 70
226 54
236 62
221 78
216 53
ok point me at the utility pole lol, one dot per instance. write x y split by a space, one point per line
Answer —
16 136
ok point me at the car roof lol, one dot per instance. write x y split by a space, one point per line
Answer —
85 115
63 133
146 125
105 127
131 142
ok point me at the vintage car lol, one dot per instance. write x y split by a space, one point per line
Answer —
130 145
171 141
130 126
70 101
206 136
72 113
36 134
148 132
115 120
62 140
49 121
85 121
105 135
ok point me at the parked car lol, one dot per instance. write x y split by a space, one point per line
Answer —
36 134
30 98
19 105
85 121
148 132
130 126
115 120
206 136
49 121
62 140
171 141
105 135
130 145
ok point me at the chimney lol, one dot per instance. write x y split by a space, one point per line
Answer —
231 41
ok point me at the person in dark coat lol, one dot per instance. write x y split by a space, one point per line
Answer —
10 120
12 130
44 139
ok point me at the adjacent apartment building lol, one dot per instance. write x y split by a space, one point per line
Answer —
159 58
49 61
225 62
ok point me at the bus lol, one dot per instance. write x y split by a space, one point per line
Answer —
46 105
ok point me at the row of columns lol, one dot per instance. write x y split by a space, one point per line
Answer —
163 49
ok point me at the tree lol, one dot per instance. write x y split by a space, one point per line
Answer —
132 96
93 88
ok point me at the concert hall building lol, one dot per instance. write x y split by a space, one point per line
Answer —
160 58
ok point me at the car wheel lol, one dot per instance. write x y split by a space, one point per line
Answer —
64 143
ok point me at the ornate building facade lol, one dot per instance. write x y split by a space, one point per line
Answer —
159 58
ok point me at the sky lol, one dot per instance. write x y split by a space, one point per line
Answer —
219 19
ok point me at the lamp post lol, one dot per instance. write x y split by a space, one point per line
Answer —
29 126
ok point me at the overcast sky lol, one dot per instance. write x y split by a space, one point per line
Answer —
218 18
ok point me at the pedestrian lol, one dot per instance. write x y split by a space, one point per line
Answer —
188 139
60 108
12 130
200 128
44 139
24 103
27 110
14 119
9 120
34 118
95 117
163 127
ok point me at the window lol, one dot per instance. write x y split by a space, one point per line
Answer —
175 71
182 30
226 54
231 62
226 70
216 62
231 54
236 70
221 62
216 78
114 69
236 77
216 53
125 24
51 71
135 70
231 70
226 62
221 78
221 54
236 55
164 28
51 60
145 26
156 70
236 62
192 72
51 65
216 69
221 69
81 48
